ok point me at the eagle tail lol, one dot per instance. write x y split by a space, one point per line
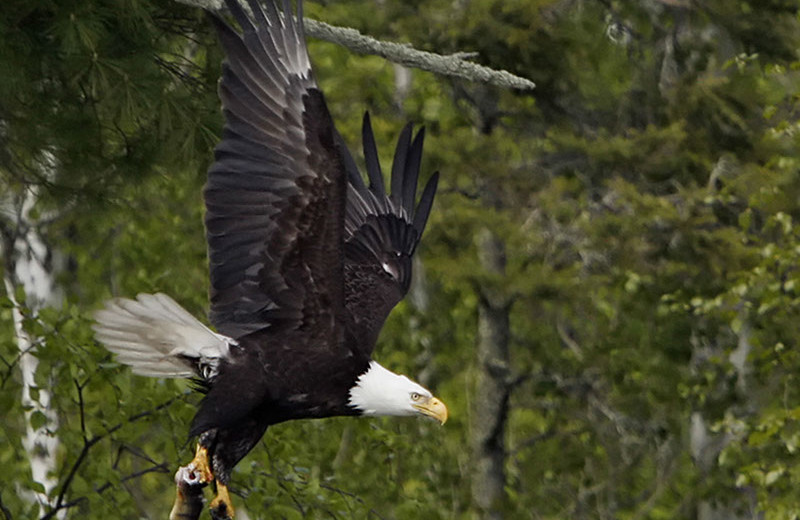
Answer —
157 337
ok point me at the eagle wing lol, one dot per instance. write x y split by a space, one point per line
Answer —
382 230
276 191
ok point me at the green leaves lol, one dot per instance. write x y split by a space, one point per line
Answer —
647 204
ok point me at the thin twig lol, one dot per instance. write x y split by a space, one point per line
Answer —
157 468
87 445
4 510
341 492
353 496
79 387
541 437
10 368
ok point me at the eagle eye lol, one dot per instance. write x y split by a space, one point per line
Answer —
415 396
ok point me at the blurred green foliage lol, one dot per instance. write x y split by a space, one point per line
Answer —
650 200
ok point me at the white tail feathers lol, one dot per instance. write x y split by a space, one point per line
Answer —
157 337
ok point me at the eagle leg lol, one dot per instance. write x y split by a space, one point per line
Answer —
222 507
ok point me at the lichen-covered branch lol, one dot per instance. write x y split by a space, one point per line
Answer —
453 65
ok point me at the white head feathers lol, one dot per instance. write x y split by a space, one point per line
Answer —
382 392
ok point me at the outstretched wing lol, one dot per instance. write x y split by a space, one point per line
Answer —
382 230
276 192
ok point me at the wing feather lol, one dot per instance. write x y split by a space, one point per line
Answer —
374 171
276 192
411 175
382 230
399 166
425 204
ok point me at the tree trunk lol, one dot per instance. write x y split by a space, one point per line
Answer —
706 446
491 401
29 266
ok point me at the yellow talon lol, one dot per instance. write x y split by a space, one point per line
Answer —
221 506
201 465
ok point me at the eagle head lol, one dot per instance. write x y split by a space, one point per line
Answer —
380 392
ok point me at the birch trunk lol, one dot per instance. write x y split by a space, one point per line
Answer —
29 271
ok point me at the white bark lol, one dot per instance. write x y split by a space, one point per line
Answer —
29 267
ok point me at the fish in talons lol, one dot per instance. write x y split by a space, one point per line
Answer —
190 480
189 499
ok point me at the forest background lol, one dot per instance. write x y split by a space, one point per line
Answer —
607 294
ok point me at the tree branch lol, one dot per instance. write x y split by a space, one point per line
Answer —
452 66
60 504
156 468
541 437
88 443
4 509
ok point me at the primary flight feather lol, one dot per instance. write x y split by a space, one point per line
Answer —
306 260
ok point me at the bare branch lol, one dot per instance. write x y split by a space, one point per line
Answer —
88 443
60 504
453 66
534 440
81 408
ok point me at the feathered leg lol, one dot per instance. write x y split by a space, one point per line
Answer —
230 446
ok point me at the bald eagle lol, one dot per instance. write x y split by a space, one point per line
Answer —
306 261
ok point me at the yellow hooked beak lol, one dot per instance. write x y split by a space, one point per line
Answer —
433 408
